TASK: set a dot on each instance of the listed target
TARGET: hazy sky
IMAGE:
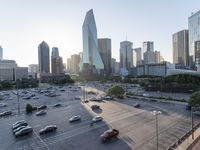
(26, 23)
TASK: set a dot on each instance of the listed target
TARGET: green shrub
(29, 108)
(116, 91)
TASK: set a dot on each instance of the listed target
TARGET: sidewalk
(186, 145)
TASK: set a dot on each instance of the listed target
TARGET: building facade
(33, 70)
(91, 57)
(75, 60)
(1, 53)
(126, 54)
(56, 62)
(180, 48)
(43, 58)
(197, 50)
(138, 54)
(157, 57)
(104, 45)
(148, 46)
(149, 57)
(194, 34)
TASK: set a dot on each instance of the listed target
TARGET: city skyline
(22, 32)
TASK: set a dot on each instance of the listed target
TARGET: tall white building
(126, 54)
(1, 53)
(139, 55)
(148, 46)
(91, 56)
(148, 49)
(194, 34)
(134, 58)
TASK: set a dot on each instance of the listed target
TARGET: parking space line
(45, 145)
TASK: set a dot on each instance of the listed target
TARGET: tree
(195, 99)
(116, 91)
(29, 108)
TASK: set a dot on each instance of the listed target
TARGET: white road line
(45, 145)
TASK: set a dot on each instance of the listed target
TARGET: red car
(109, 134)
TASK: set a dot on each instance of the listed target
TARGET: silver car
(24, 131)
(40, 113)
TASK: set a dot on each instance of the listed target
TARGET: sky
(24, 24)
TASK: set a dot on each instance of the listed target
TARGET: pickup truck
(109, 134)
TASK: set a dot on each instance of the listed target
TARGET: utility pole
(18, 97)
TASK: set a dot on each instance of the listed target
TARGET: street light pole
(192, 123)
(18, 98)
(156, 113)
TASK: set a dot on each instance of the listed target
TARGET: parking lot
(77, 135)
(137, 128)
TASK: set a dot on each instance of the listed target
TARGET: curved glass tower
(90, 55)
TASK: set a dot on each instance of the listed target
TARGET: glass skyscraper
(43, 58)
(194, 34)
(90, 56)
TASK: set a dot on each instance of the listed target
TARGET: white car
(75, 118)
(24, 131)
(40, 113)
(97, 119)
(145, 94)
(18, 122)
(3, 105)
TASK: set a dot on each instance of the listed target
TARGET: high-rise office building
(1, 53)
(104, 45)
(75, 60)
(157, 57)
(148, 46)
(197, 50)
(194, 34)
(91, 57)
(69, 66)
(33, 70)
(148, 49)
(139, 55)
(134, 58)
(43, 58)
(149, 57)
(56, 62)
(126, 54)
(180, 48)
(55, 52)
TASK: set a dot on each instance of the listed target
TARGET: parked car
(109, 134)
(3, 105)
(108, 97)
(137, 105)
(93, 107)
(42, 107)
(18, 129)
(197, 113)
(48, 129)
(75, 118)
(40, 113)
(97, 119)
(19, 125)
(188, 107)
(57, 105)
(77, 98)
(24, 131)
(18, 122)
(5, 113)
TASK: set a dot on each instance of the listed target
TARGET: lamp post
(156, 113)
(18, 108)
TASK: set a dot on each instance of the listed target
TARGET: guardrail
(183, 138)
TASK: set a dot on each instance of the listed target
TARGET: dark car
(42, 107)
(188, 107)
(95, 107)
(57, 105)
(48, 129)
(5, 113)
(137, 105)
(109, 134)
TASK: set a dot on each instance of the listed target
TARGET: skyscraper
(91, 57)
(1, 53)
(104, 45)
(43, 58)
(75, 60)
(148, 46)
(157, 57)
(56, 62)
(126, 54)
(138, 54)
(55, 52)
(180, 48)
(197, 50)
(194, 34)
(148, 49)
